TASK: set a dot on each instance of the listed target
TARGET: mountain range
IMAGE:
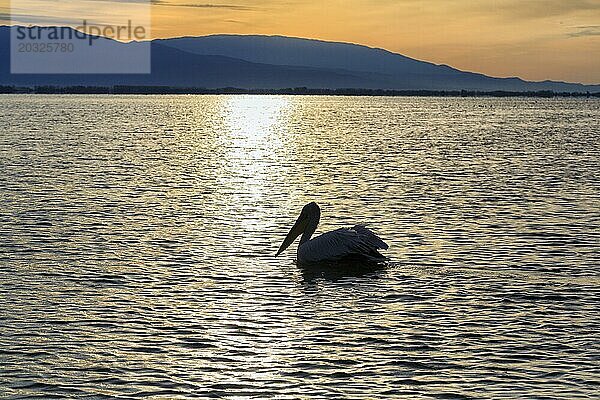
(272, 62)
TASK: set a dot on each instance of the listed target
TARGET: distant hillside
(173, 67)
(393, 71)
(278, 62)
(281, 50)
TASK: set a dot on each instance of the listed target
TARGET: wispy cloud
(545, 8)
(589, 30)
(524, 9)
(235, 21)
(32, 19)
(165, 3)
(235, 7)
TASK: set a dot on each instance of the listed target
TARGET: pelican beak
(296, 231)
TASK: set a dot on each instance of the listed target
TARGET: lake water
(137, 236)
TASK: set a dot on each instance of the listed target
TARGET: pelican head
(306, 223)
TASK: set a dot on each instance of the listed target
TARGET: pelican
(356, 243)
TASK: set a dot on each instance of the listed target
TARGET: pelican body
(356, 243)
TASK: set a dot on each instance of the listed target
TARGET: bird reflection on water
(336, 271)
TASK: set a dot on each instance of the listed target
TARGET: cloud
(545, 8)
(235, 21)
(165, 3)
(516, 10)
(141, 2)
(235, 7)
(589, 30)
(32, 19)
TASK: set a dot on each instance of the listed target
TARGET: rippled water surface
(137, 237)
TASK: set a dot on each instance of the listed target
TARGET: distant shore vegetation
(118, 89)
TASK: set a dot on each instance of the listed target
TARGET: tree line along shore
(119, 89)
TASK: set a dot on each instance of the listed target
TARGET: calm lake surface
(137, 236)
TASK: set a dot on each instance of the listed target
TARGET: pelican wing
(344, 242)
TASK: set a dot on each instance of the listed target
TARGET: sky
(531, 39)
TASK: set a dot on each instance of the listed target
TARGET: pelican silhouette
(356, 243)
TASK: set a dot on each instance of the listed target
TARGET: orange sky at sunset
(532, 39)
(551, 39)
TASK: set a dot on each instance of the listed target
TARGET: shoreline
(168, 90)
